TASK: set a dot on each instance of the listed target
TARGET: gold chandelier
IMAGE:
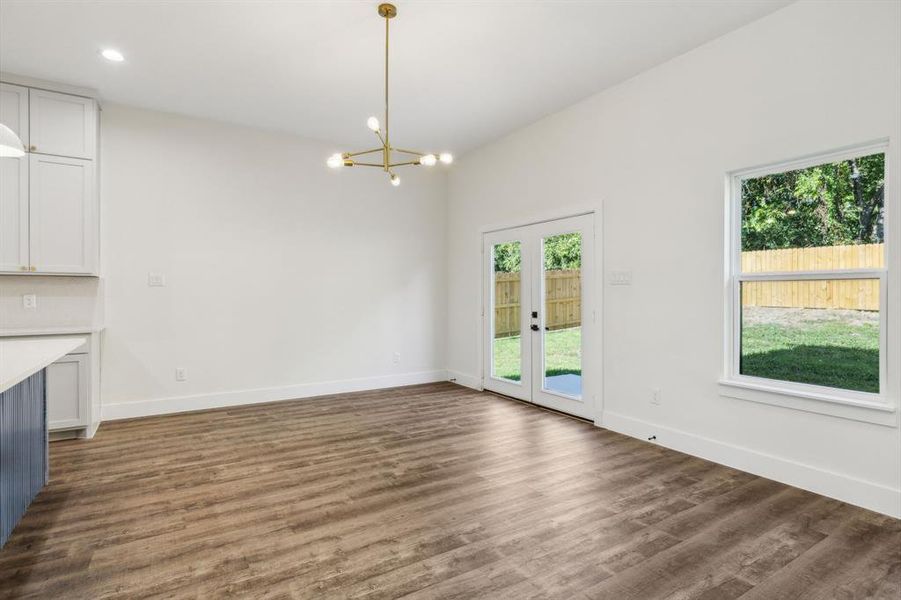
(347, 159)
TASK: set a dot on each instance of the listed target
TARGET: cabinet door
(14, 183)
(67, 392)
(61, 124)
(14, 109)
(14, 214)
(62, 222)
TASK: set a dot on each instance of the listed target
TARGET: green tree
(507, 257)
(830, 204)
(562, 251)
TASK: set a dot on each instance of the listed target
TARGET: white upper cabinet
(49, 213)
(62, 125)
(14, 109)
(62, 216)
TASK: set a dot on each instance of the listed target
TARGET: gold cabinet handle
(23, 268)
(33, 148)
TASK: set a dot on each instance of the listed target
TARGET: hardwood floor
(429, 491)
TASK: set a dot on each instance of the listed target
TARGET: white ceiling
(463, 73)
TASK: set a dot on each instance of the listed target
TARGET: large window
(807, 277)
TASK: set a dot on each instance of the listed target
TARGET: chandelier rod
(387, 136)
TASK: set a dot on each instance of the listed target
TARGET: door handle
(535, 327)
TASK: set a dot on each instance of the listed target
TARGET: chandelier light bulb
(446, 157)
(335, 161)
(372, 123)
(428, 160)
(395, 180)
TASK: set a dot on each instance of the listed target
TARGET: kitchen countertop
(22, 358)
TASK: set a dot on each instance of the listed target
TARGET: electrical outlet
(395, 358)
(29, 302)
(181, 374)
(156, 280)
(655, 396)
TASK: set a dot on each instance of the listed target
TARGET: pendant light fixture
(10, 144)
(348, 159)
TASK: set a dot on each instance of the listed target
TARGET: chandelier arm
(349, 154)
(401, 164)
(362, 164)
(402, 151)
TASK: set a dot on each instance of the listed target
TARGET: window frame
(865, 406)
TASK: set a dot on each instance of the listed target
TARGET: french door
(539, 314)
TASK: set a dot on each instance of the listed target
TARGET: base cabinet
(23, 450)
(72, 386)
(67, 392)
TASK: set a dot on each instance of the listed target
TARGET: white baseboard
(859, 492)
(465, 380)
(163, 406)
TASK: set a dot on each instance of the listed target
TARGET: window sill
(869, 408)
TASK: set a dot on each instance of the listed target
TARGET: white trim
(877, 146)
(50, 86)
(859, 492)
(50, 331)
(868, 408)
(465, 379)
(543, 217)
(820, 399)
(163, 406)
(813, 275)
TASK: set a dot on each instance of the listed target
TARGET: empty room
(526, 299)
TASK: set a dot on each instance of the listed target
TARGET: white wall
(652, 154)
(280, 274)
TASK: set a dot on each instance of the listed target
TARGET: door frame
(592, 316)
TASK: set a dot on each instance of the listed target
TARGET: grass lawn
(564, 354)
(821, 347)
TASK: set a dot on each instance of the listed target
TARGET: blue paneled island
(24, 463)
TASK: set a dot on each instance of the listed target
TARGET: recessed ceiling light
(113, 55)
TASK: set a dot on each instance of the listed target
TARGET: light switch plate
(620, 277)
(181, 374)
(29, 301)
(156, 280)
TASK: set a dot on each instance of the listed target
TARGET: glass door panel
(507, 301)
(562, 328)
(506, 354)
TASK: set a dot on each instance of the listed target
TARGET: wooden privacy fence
(853, 294)
(563, 303)
(859, 256)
